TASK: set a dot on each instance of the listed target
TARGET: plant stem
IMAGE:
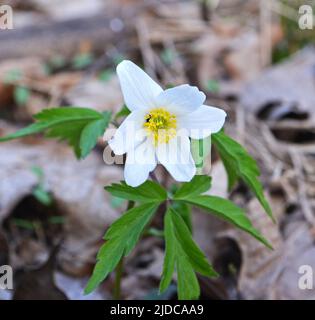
(120, 267)
(130, 205)
(118, 274)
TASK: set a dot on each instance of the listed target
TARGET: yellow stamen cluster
(161, 125)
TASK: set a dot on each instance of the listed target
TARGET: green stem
(118, 275)
(120, 267)
(130, 205)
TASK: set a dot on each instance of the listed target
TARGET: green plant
(81, 128)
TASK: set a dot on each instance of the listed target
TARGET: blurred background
(251, 58)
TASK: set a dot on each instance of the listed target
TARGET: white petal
(139, 163)
(176, 157)
(129, 133)
(181, 99)
(202, 122)
(138, 89)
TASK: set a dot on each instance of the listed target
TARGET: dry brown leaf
(275, 94)
(97, 95)
(77, 187)
(259, 264)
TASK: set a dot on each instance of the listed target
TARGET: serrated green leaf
(80, 127)
(199, 184)
(131, 224)
(228, 211)
(69, 133)
(239, 163)
(187, 282)
(170, 252)
(181, 251)
(200, 150)
(196, 257)
(107, 259)
(149, 191)
(184, 210)
(121, 237)
(91, 132)
(231, 173)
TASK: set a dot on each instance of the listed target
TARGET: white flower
(159, 125)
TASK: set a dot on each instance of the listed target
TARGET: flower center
(161, 125)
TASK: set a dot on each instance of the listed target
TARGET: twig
(145, 47)
(265, 32)
(305, 205)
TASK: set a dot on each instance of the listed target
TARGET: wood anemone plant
(159, 118)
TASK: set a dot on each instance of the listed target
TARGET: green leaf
(91, 132)
(155, 232)
(213, 86)
(200, 149)
(24, 223)
(168, 56)
(39, 191)
(181, 251)
(198, 184)
(107, 258)
(106, 75)
(231, 172)
(184, 210)
(239, 164)
(148, 192)
(38, 171)
(196, 257)
(80, 127)
(82, 60)
(121, 238)
(123, 112)
(21, 95)
(187, 282)
(170, 252)
(228, 211)
(117, 202)
(57, 220)
(42, 195)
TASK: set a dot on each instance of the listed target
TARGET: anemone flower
(160, 124)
